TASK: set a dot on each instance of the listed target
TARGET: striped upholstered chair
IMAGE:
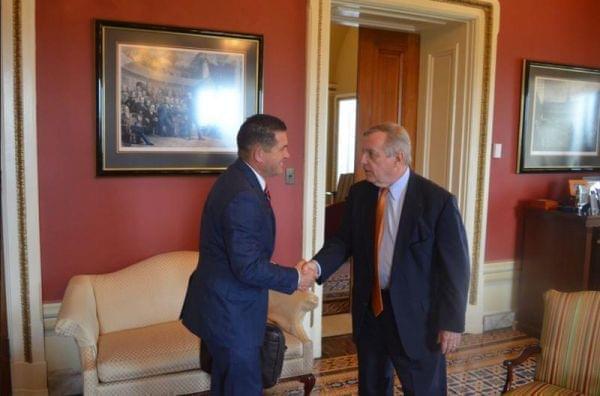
(569, 351)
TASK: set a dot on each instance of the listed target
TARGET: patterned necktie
(267, 194)
(376, 299)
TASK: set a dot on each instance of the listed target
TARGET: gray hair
(397, 140)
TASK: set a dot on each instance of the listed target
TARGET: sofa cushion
(541, 388)
(159, 349)
(147, 351)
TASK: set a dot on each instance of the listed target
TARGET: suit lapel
(251, 177)
(411, 211)
(370, 203)
(249, 174)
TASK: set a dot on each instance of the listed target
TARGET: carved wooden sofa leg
(309, 382)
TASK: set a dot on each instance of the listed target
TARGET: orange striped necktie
(376, 299)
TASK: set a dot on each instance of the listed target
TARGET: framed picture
(560, 118)
(171, 100)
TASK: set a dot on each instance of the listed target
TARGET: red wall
(92, 225)
(558, 31)
(95, 225)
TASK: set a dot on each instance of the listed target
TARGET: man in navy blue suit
(411, 269)
(227, 296)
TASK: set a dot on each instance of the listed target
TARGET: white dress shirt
(261, 180)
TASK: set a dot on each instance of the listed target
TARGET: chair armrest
(77, 316)
(512, 363)
(288, 311)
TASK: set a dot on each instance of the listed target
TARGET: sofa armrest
(77, 316)
(288, 311)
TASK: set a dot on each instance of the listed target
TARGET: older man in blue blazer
(411, 269)
(227, 296)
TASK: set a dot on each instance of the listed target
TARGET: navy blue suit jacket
(227, 297)
(430, 270)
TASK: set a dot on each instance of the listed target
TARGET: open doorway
(374, 78)
(466, 71)
(342, 116)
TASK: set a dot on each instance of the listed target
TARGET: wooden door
(387, 86)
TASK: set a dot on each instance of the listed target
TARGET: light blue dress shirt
(393, 211)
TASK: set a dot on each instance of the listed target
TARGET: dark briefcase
(271, 356)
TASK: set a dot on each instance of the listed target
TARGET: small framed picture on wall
(560, 118)
(170, 99)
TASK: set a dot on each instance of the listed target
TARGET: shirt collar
(399, 186)
(261, 180)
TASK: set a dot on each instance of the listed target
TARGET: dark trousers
(235, 371)
(380, 353)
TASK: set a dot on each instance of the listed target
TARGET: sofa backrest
(143, 294)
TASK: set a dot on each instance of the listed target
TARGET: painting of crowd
(153, 110)
(149, 111)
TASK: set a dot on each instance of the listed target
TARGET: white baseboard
(500, 282)
(62, 353)
(62, 356)
(28, 378)
(50, 313)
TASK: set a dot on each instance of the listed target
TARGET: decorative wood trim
(318, 114)
(20, 176)
(483, 157)
(317, 68)
(20, 201)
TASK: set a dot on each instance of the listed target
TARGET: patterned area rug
(336, 292)
(474, 369)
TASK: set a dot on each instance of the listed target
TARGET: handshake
(308, 273)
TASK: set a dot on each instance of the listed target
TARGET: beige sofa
(132, 343)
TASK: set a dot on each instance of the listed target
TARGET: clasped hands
(308, 274)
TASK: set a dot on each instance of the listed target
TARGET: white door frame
(483, 16)
(20, 213)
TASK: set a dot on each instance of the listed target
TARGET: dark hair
(258, 129)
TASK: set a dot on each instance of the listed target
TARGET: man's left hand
(448, 341)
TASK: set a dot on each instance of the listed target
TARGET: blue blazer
(227, 297)
(429, 278)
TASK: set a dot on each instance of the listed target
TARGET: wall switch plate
(290, 176)
(497, 150)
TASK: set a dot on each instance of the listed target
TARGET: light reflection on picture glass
(566, 117)
(178, 99)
